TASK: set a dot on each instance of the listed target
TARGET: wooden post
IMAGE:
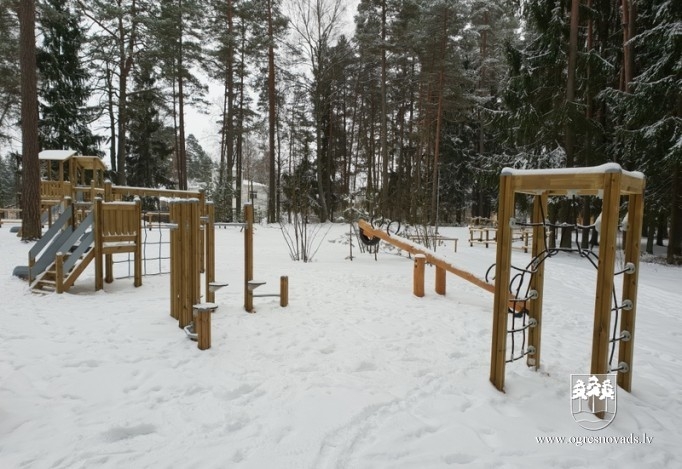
(418, 277)
(138, 241)
(605, 271)
(502, 277)
(198, 250)
(209, 232)
(186, 255)
(98, 228)
(283, 291)
(190, 257)
(175, 265)
(537, 281)
(627, 322)
(248, 256)
(440, 280)
(59, 272)
(107, 222)
(108, 191)
(202, 325)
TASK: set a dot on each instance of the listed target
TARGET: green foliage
(9, 70)
(64, 83)
(149, 141)
(9, 171)
(200, 166)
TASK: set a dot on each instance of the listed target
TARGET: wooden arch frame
(609, 181)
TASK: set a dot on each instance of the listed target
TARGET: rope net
(155, 248)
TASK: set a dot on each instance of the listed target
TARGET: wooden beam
(627, 322)
(605, 271)
(431, 257)
(537, 280)
(502, 278)
(248, 256)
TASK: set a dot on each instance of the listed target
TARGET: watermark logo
(593, 400)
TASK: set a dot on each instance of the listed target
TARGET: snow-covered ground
(355, 373)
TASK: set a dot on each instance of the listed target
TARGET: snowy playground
(355, 373)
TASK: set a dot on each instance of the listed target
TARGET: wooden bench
(10, 214)
(159, 217)
(481, 231)
(438, 238)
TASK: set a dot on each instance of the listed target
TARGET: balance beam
(431, 257)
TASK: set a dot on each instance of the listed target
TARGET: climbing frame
(610, 182)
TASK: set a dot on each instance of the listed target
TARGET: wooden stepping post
(202, 324)
(418, 278)
(283, 291)
(440, 280)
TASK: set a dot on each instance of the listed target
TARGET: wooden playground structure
(249, 283)
(88, 219)
(484, 231)
(193, 252)
(610, 182)
(423, 256)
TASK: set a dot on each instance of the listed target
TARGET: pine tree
(316, 26)
(149, 142)
(177, 33)
(114, 45)
(648, 136)
(64, 89)
(199, 165)
(30, 188)
(8, 185)
(10, 94)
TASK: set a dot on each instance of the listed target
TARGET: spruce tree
(199, 164)
(64, 83)
(649, 132)
(149, 140)
(10, 94)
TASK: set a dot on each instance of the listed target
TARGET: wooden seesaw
(421, 257)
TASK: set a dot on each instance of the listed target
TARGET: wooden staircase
(61, 255)
(52, 280)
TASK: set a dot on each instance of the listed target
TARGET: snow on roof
(601, 169)
(57, 155)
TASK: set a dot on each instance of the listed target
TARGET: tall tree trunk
(439, 118)
(182, 150)
(239, 160)
(628, 24)
(112, 121)
(30, 191)
(589, 111)
(675, 237)
(566, 212)
(272, 189)
(383, 116)
(125, 65)
(570, 80)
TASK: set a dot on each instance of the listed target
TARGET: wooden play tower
(610, 182)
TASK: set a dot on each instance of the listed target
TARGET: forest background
(409, 115)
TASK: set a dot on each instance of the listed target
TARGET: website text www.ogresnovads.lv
(631, 439)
